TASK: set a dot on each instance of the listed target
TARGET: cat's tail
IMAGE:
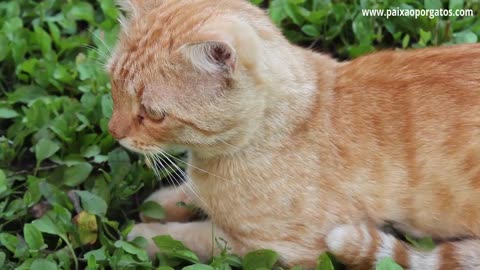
(362, 247)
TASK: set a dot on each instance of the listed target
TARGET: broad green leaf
(9, 241)
(260, 259)
(46, 225)
(53, 194)
(466, 36)
(76, 174)
(456, 4)
(174, 248)
(3, 182)
(433, 4)
(43, 264)
(310, 30)
(107, 106)
(44, 149)
(6, 113)
(92, 203)
(119, 163)
(324, 263)
(33, 237)
(98, 254)
(129, 248)
(43, 40)
(2, 259)
(426, 243)
(198, 267)
(91, 151)
(153, 210)
(82, 11)
(388, 264)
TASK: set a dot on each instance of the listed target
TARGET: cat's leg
(198, 236)
(176, 201)
(362, 247)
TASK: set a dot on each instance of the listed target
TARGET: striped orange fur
(293, 151)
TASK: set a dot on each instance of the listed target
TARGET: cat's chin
(130, 145)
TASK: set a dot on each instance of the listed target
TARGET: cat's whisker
(102, 57)
(174, 181)
(187, 180)
(102, 41)
(199, 169)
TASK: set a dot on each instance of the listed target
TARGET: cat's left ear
(214, 57)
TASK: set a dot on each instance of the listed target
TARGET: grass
(68, 193)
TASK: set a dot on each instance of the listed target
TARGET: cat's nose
(116, 129)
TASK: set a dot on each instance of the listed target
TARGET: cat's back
(428, 86)
(450, 66)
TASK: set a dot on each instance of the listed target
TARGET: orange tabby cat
(293, 151)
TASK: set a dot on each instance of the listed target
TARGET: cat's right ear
(137, 7)
(213, 57)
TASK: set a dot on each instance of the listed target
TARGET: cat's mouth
(138, 146)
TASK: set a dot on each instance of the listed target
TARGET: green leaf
(406, 41)
(92, 203)
(433, 4)
(456, 4)
(324, 262)
(174, 248)
(131, 249)
(77, 174)
(98, 254)
(44, 149)
(310, 30)
(466, 36)
(425, 243)
(6, 113)
(46, 225)
(107, 106)
(425, 37)
(43, 265)
(82, 11)
(153, 210)
(53, 194)
(91, 151)
(198, 266)
(119, 163)
(388, 264)
(2, 259)
(3, 182)
(26, 94)
(260, 259)
(164, 268)
(9, 241)
(33, 237)
(43, 39)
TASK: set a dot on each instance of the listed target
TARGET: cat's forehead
(154, 39)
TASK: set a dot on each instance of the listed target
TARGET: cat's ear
(214, 57)
(137, 7)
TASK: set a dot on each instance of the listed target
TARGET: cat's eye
(154, 115)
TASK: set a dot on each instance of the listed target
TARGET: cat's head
(189, 73)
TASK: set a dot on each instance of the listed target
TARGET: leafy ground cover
(68, 194)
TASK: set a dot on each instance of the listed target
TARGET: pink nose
(117, 130)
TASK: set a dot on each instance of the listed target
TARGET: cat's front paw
(171, 200)
(197, 236)
(148, 231)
